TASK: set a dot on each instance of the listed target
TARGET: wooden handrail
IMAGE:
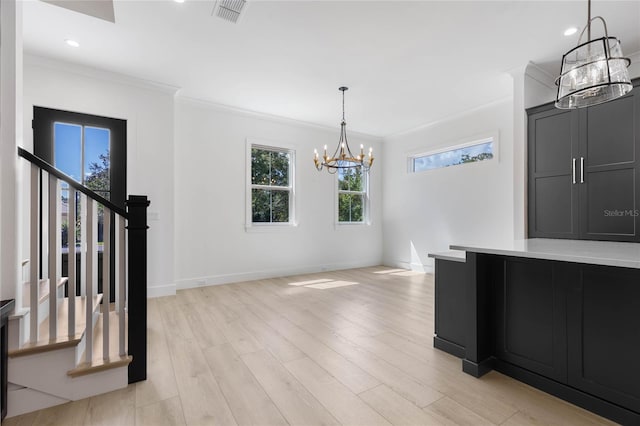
(71, 182)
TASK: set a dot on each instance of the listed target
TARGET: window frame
(366, 219)
(473, 140)
(250, 225)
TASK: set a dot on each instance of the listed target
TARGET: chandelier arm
(604, 24)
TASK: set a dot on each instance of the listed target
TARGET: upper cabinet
(584, 171)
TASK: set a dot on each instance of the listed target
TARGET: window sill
(270, 227)
(351, 224)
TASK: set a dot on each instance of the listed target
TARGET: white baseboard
(271, 273)
(161, 290)
(418, 267)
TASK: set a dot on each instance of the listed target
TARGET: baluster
(121, 277)
(34, 252)
(92, 275)
(106, 284)
(83, 244)
(44, 227)
(71, 261)
(54, 254)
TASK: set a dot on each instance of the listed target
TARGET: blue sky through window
(468, 154)
(68, 148)
(96, 142)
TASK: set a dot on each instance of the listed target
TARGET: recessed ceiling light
(570, 31)
(72, 43)
(179, 1)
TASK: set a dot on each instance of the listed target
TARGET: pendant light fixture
(593, 72)
(342, 158)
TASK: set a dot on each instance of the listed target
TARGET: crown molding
(534, 71)
(451, 117)
(268, 117)
(92, 72)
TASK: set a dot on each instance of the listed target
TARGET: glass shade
(593, 73)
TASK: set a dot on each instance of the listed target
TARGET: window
(82, 152)
(352, 195)
(271, 185)
(479, 150)
(90, 149)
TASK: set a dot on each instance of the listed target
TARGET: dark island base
(568, 329)
(596, 405)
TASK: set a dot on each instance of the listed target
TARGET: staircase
(69, 337)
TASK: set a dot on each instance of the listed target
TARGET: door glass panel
(96, 160)
(68, 149)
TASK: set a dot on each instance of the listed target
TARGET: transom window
(271, 185)
(352, 195)
(479, 150)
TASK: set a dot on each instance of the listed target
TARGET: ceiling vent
(229, 10)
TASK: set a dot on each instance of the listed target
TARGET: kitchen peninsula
(560, 315)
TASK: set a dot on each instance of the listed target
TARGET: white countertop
(451, 255)
(607, 253)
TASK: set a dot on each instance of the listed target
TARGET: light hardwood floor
(350, 347)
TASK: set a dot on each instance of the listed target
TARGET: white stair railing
(92, 275)
(54, 254)
(34, 252)
(106, 281)
(45, 226)
(71, 261)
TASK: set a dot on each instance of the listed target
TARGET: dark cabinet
(576, 324)
(584, 171)
(450, 316)
(603, 324)
(531, 314)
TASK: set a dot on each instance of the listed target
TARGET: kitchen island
(560, 315)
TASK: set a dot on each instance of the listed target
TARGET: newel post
(137, 300)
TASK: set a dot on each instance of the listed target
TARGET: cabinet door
(604, 334)
(552, 193)
(451, 296)
(531, 317)
(609, 184)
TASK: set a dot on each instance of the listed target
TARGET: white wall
(10, 137)
(149, 114)
(470, 203)
(212, 244)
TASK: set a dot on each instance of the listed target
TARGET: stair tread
(98, 363)
(63, 339)
(43, 290)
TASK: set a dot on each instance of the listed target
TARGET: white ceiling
(406, 63)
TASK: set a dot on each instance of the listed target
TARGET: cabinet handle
(581, 169)
(573, 169)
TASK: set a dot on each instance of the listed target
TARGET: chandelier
(342, 158)
(593, 72)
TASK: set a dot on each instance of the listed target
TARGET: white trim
(270, 273)
(293, 199)
(477, 139)
(635, 57)
(161, 290)
(417, 267)
(534, 71)
(269, 117)
(86, 71)
(451, 117)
